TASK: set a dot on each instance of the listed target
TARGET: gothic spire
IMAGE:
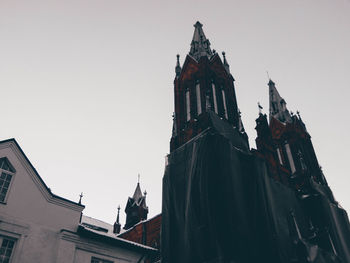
(278, 108)
(178, 67)
(240, 123)
(117, 225)
(200, 45)
(118, 214)
(226, 65)
(138, 193)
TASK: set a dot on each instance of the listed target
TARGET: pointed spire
(240, 123)
(278, 108)
(200, 45)
(260, 108)
(117, 225)
(178, 67)
(174, 133)
(118, 214)
(138, 193)
(226, 65)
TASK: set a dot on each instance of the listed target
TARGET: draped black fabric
(220, 205)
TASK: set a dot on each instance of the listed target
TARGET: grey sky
(87, 86)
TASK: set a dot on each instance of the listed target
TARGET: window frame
(9, 238)
(100, 260)
(12, 174)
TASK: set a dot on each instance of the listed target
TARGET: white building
(37, 226)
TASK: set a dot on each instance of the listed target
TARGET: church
(222, 201)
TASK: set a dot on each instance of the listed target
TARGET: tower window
(6, 249)
(188, 106)
(279, 156)
(6, 174)
(199, 102)
(214, 98)
(224, 103)
(290, 158)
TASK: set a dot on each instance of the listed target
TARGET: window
(7, 245)
(224, 102)
(100, 260)
(6, 174)
(279, 156)
(188, 106)
(290, 158)
(199, 103)
(214, 98)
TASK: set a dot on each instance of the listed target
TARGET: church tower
(204, 83)
(136, 209)
(286, 145)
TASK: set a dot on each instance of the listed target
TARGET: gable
(28, 198)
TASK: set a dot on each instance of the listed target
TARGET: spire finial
(80, 197)
(116, 226)
(177, 67)
(138, 178)
(226, 65)
(118, 214)
(260, 108)
(268, 76)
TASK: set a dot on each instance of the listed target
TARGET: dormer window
(6, 174)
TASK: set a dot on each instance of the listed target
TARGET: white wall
(44, 226)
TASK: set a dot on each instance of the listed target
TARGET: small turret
(226, 65)
(117, 225)
(178, 67)
(136, 209)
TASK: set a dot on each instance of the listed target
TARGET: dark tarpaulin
(220, 205)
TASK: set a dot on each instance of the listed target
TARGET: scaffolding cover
(220, 205)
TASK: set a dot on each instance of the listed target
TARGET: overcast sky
(87, 85)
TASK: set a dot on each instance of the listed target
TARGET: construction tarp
(220, 205)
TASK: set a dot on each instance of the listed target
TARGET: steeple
(116, 226)
(278, 106)
(200, 45)
(205, 87)
(136, 209)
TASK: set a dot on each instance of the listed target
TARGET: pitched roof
(47, 190)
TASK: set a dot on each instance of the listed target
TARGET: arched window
(199, 102)
(290, 158)
(188, 105)
(214, 98)
(279, 156)
(224, 102)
